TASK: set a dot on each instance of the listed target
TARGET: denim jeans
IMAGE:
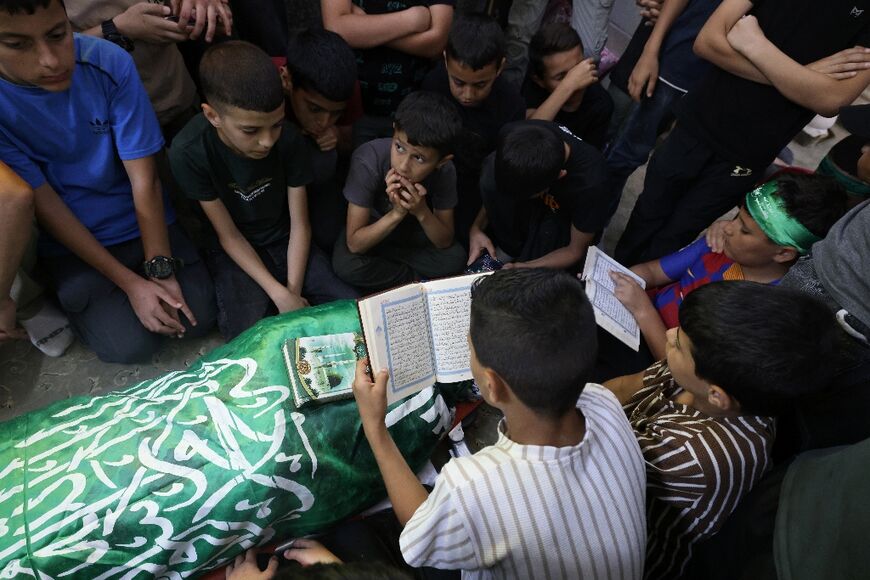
(242, 302)
(631, 147)
(101, 314)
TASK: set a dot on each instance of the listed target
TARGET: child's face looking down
(250, 134)
(315, 112)
(746, 243)
(413, 162)
(468, 86)
(556, 66)
(37, 49)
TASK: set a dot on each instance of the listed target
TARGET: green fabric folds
(180, 474)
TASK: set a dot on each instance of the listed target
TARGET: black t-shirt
(589, 121)
(480, 125)
(386, 76)
(532, 228)
(254, 191)
(749, 123)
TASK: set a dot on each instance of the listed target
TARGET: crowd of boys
(387, 147)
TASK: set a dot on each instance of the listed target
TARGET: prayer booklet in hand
(419, 332)
(610, 314)
(322, 368)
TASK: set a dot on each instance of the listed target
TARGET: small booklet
(419, 332)
(610, 314)
(322, 368)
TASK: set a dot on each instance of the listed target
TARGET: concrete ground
(30, 380)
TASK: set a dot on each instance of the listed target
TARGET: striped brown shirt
(525, 511)
(698, 468)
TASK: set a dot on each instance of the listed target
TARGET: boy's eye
(314, 109)
(60, 35)
(399, 148)
(479, 85)
(559, 77)
(458, 83)
(249, 130)
(419, 159)
(15, 45)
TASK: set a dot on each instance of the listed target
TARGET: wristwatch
(110, 33)
(162, 267)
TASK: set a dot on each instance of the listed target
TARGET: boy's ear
(538, 81)
(212, 115)
(562, 173)
(444, 160)
(286, 79)
(497, 389)
(785, 254)
(721, 400)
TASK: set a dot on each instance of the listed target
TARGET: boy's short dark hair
(13, 7)
(241, 75)
(765, 346)
(321, 61)
(536, 329)
(429, 120)
(551, 38)
(528, 159)
(476, 40)
(816, 201)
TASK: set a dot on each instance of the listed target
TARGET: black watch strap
(110, 33)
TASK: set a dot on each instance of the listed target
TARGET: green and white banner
(179, 474)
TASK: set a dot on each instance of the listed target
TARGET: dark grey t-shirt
(365, 185)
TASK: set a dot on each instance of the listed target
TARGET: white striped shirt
(698, 468)
(524, 511)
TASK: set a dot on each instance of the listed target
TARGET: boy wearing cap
(777, 223)
(544, 195)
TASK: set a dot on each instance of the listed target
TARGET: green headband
(854, 186)
(768, 211)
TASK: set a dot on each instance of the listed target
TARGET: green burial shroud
(179, 474)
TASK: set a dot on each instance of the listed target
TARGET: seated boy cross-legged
(743, 353)
(561, 492)
(401, 193)
(776, 224)
(247, 167)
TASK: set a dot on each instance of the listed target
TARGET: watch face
(160, 267)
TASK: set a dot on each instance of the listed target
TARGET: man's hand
(245, 567)
(148, 299)
(328, 140)
(844, 64)
(745, 34)
(371, 397)
(288, 301)
(206, 13)
(716, 236)
(308, 552)
(581, 75)
(650, 10)
(8, 327)
(147, 22)
(628, 291)
(644, 77)
(477, 243)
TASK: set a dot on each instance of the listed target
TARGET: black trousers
(687, 187)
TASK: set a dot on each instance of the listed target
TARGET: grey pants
(589, 18)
